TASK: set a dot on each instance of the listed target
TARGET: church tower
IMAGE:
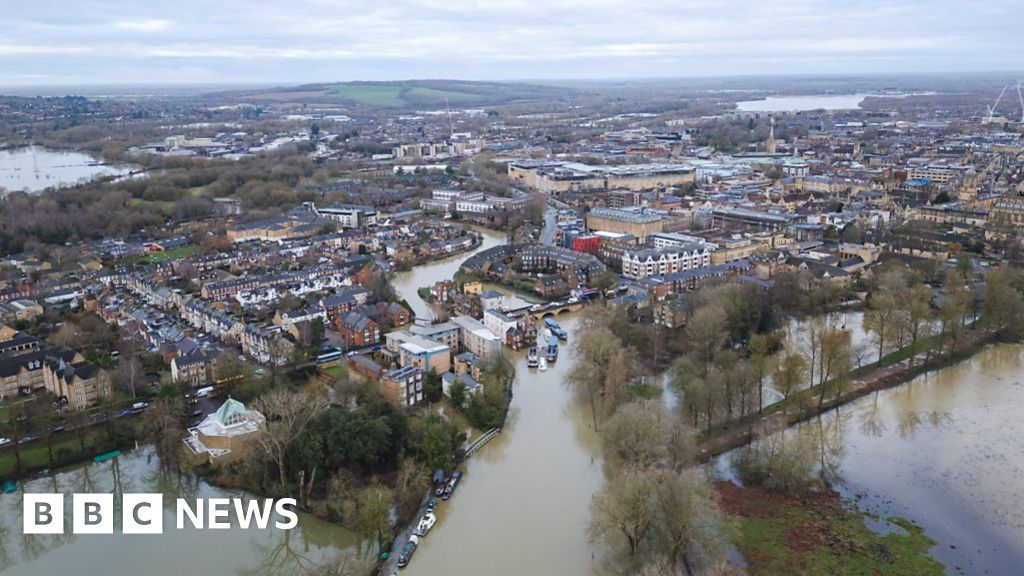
(769, 144)
(969, 185)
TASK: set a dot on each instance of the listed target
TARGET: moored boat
(552, 353)
(425, 524)
(452, 484)
(531, 357)
(556, 328)
(407, 551)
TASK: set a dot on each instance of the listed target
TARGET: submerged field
(817, 534)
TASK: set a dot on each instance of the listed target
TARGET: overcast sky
(256, 41)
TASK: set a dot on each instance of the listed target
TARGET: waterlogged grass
(819, 535)
(35, 456)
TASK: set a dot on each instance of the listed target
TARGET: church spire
(769, 144)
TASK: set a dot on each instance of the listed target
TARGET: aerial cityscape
(513, 291)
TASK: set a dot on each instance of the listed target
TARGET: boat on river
(531, 357)
(407, 551)
(552, 353)
(425, 524)
(452, 484)
(556, 328)
(543, 364)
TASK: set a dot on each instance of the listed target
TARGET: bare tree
(706, 331)
(130, 372)
(687, 520)
(880, 319)
(643, 434)
(834, 357)
(791, 372)
(370, 512)
(287, 414)
(624, 510)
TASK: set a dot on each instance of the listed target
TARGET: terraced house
(637, 264)
(26, 366)
(68, 375)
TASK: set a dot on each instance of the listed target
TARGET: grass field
(392, 95)
(420, 93)
(332, 371)
(387, 95)
(140, 202)
(169, 255)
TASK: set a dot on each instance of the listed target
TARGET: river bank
(804, 405)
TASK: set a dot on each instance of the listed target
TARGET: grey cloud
(117, 41)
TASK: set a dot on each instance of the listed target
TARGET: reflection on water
(523, 506)
(189, 551)
(34, 168)
(943, 450)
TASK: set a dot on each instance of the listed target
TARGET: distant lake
(801, 103)
(34, 169)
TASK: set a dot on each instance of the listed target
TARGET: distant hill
(411, 93)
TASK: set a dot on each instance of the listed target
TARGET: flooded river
(407, 283)
(944, 451)
(235, 551)
(35, 168)
(523, 505)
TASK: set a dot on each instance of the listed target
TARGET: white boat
(426, 523)
(531, 357)
(543, 364)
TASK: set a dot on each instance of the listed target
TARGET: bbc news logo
(144, 513)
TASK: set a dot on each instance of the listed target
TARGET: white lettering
(281, 508)
(250, 510)
(194, 516)
(219, 508)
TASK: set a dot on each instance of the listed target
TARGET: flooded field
(34, 169)
(944, 451)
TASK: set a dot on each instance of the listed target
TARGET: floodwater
(407, 283)
(944, 451)
(802, 103)
(523, 505)
(34, 168)
(796, 334)
(235, 551)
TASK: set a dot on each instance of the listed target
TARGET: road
(547, 236)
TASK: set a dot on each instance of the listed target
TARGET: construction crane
(1020, 97)
(992, 109)
(991, 118)
(451, 123)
